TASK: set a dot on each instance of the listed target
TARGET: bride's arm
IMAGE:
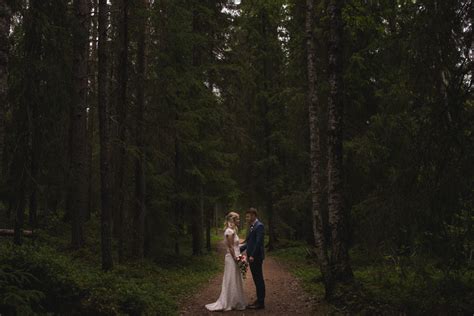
(230, 245)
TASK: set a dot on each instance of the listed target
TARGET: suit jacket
(254, 242)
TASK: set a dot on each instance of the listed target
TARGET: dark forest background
(128, 128)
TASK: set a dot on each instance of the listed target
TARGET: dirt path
(284, 295)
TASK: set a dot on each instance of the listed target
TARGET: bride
(232, 293)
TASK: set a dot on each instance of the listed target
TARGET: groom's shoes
(256, 305)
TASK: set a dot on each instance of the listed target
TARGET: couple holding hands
(252, 249)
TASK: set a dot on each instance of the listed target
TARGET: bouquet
(243, 265)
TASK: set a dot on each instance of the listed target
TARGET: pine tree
(338, 219)
(29, 102)
(140, 180)
(77, 193)
(92, 109)
(314, 110)
(121, 143)
(104, 131)
(5, 18)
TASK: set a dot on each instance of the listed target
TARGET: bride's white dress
(232, 293)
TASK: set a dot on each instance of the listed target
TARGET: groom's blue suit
(255, 248)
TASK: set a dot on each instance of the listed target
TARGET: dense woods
(129, 128)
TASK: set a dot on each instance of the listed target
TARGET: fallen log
(11, 232)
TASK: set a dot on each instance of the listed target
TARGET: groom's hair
(252, 211)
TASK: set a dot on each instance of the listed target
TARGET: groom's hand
(250, 259)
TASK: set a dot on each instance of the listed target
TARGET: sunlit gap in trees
(231, 8)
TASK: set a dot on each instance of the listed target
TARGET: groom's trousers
(257, 275)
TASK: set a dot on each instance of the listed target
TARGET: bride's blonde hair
(230, 220)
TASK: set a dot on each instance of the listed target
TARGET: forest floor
(284, 294)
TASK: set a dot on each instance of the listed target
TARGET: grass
(71, 282)
(381, 287)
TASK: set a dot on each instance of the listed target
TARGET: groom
(255, 253)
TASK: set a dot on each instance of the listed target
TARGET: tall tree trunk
(28, 102)
(35, 138)
(5, 20)
(90, 168)
(140, 212)
(92, 113)
(337, 216)
(77, 194)
(209, 215)
(113, 56)
(104, 131)
(19, 172)
(20, 203)
(216, 217)
(33, 87)
(314, 110)
(122, 70)
(196, 226)
(177, 200)
(201, 213)
(177, 185)
(267, 129)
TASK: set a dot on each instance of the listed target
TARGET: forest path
(284, 295)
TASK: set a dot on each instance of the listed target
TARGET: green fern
(15, 292)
